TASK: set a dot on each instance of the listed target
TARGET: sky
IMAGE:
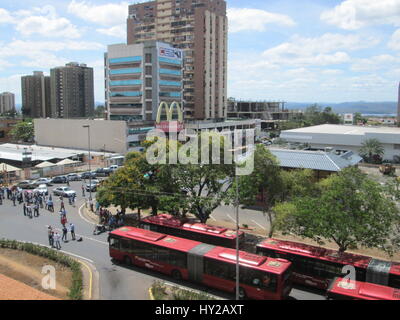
(289, 50)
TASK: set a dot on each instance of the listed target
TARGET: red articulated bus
(344, 289)
(316, 267)
(213, 266)
(190, 229)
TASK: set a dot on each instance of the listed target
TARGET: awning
(45, 164)
(7, 168)
(67, 161)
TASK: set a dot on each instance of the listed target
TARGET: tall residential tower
(35, 90)
(72, 91)
(7, 102)
(199, 28)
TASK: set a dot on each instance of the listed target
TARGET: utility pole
(90, 168)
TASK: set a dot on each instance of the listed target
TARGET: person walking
(63, 220)
(29, 211)
(57, 240)
(13, 198)
(72, 230)
(65, 233)
(50, 234)
(83, 191)
(91, 204)
(62, 203)
(36, 210)
(24, 209)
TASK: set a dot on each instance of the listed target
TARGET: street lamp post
(90, 168)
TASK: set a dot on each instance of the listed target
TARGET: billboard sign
(170, 125)
(170, 53)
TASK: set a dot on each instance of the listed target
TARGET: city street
(116, 281)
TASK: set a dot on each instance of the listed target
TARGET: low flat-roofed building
(13, 154)
(344, 137)
(322, 163)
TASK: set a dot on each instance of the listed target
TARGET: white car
(46, 181)
(41, 189)
(114, 167)
(64, 191)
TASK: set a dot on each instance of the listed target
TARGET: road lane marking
(80, 214)
(66, 252)
(259, 225)
(212, 217)
(231, 218)
(84, 237)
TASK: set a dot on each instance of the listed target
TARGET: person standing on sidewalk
(65, 233)
(50, 234)
(57, 240)
(72, 229)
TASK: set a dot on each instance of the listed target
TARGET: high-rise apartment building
(7, 102)
(140, 76)
(72, 91)
(35, 90)
(199, 27)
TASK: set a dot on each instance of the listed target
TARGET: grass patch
(75, 291)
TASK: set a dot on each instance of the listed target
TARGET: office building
(72, 91)
(7, 102)
(199, 28)
(35, 91)
(140, 76)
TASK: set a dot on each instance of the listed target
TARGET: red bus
(190, 229)
(316, 267)
(213, 266)
(343, 289)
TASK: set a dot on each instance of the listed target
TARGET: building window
(397, 147)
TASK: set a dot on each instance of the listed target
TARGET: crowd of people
(32, 202)
(108, 220)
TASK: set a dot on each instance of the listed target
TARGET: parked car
(92, 186)
(74, 177)
(26, 184)
(103, 172)
(114, 167)
(59, 179)
(64, 191)
(41, 189)
(86, 175)
(46, 181)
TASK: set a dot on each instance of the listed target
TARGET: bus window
(125, 245)
(114, 243)
(258, 279)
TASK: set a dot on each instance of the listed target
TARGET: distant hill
(384, 107)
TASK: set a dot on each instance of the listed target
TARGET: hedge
(75, 291)
(161, 291)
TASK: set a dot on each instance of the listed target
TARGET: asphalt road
(117, 282)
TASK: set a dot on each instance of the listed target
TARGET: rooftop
(345, 129)
(14, 152)
(315, 160)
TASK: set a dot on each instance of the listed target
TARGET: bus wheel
(242, 293)
(127, 261)
(176, 274)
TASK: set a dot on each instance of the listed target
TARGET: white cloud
(355, 14)
(375, 63)
(320, 51)
(107, 14)
(118, 31)
(43, 21)
(245, 19)
(5, 16)
(394, 42)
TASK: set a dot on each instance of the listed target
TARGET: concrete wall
(69, 133)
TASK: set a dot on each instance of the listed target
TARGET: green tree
(372, 151)
(23, 131)
(359, 118)
(349, 209)
(265, 181)
(99, 111)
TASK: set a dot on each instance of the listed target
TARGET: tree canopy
(349, 209)
(372, 151)
(23, 131)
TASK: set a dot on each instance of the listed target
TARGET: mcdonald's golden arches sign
(170, 124)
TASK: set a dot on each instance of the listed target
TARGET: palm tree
(371, 149)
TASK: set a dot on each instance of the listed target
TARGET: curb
(151, 294)
(93, 287)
